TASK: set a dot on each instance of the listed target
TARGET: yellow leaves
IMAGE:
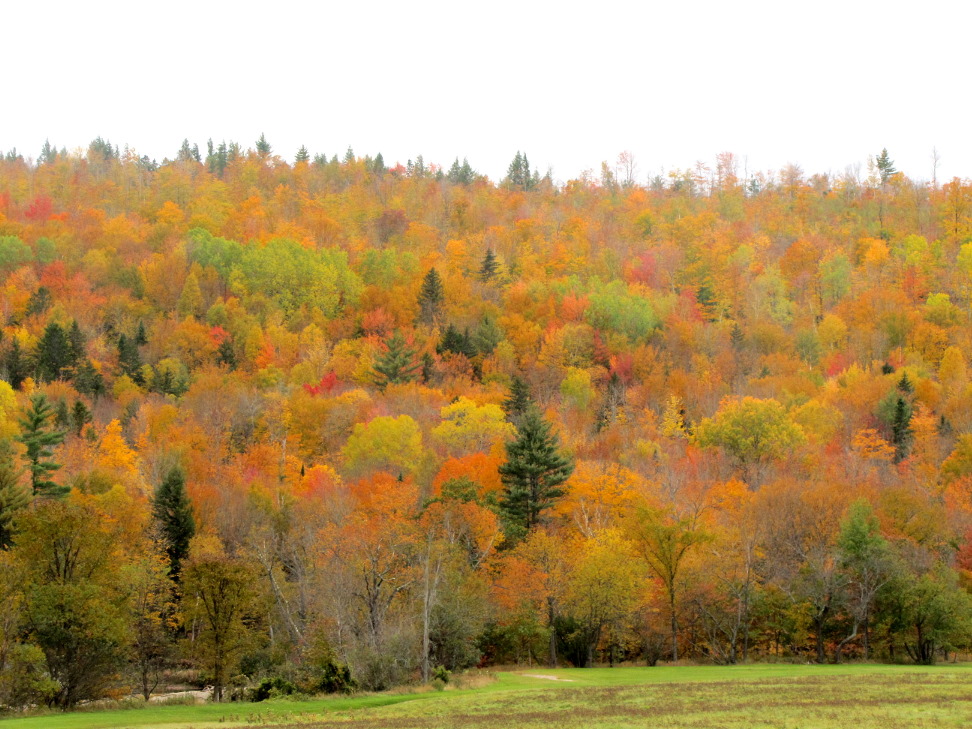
(8, 411)
(673, 420)
(832, 332)
(598, 494)
(871, 446)
(467, 427)
(577, 389)
(819, 421)
(170, 215)
(384, 443)
(873, 252)
(116, 458)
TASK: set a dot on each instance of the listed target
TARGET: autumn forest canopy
(334, 423)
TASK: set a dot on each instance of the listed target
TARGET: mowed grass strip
(882, 700)
(762, 695)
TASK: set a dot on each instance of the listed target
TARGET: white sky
(821, 84)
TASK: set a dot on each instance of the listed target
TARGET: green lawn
(770, 696)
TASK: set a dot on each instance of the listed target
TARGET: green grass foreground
(714, 697)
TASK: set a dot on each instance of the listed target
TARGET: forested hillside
(341, 423)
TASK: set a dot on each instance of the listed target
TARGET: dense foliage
(334, 423)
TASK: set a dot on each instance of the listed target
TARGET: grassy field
(770, 696)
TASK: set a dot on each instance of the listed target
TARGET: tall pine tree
(532, 474)
(40, 436)
(430, 298)
(53, 353)
(396, 364)
(489, 267)
(519, 400)
(172, 512)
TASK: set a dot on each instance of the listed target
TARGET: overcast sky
(821, 84)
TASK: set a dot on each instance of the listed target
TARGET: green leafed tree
(532, 475)
(218, 598)
(753, 432)
(73, 603)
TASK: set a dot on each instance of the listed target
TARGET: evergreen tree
(129, 360)
(53, 353)
(453, 341)
(141, 338)
(349, 156)
(13, 496)
(532, 474)
(62, 418)
(430, 298)
(39, 437)
(519, 400)
(48, 154)
(187, 153)
(488, 335)
(76, 343)
(226, 354)
(397, 364)
(461, 174)
(901, 433)
(216, 159)
(39, 301)
(263, 147)
(88, 381)
(489, 267)
(454, 172)
(518, 174)
(16, 365)
(428, 368)
(172, 512)
(378, 166)
(80, 416)
(904, 384)
(302, 155)
(320, 160)
(885, 166)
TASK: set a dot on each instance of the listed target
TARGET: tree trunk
(551, 615)
(671, 605)
(821, 652)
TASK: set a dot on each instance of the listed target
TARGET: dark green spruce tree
(129, 360)
(39, 436)
(519, 400)
(16, 365)
(53, 353)
(489, 267)
(901, 433)
(396, 364)
(534, 470)
(172, 512)
(430, 298)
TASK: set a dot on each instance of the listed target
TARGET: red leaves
(39, 209)
(325, 386)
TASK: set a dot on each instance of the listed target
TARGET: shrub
(271, 688)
